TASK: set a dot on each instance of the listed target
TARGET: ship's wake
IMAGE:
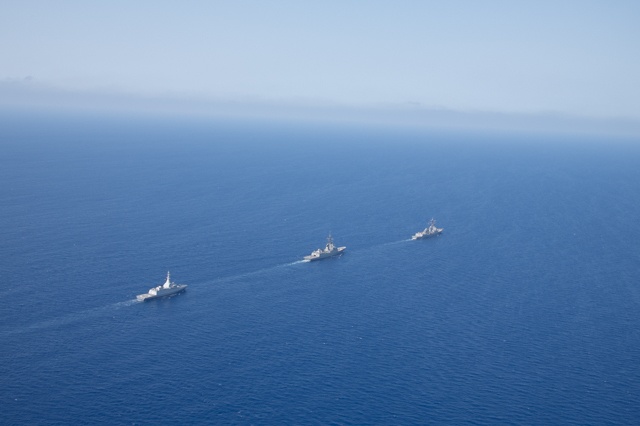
(71, 317)
(398, 242)
(297, 262)
(103, 310)
(258, 271)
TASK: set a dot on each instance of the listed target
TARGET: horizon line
(28, 94)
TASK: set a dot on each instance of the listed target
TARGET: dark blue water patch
(523, 311)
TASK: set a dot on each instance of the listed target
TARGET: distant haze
(574, 58)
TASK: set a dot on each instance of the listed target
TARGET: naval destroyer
(166, 289)
(429, 231)
(329, 251)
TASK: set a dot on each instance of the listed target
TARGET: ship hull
(148, 297)
(421, 236)
(338, 252)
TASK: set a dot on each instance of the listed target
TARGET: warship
(329, 251)
(429, 231)
(166, 289)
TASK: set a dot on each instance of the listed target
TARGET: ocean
(526, 310)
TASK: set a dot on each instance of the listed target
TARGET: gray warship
(166, 289)
(429, 231)
(330, 250)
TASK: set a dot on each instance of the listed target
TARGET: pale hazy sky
(575, 57)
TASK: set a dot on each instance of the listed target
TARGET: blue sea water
(526, 310)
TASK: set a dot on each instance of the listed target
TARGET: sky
(577, 58)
